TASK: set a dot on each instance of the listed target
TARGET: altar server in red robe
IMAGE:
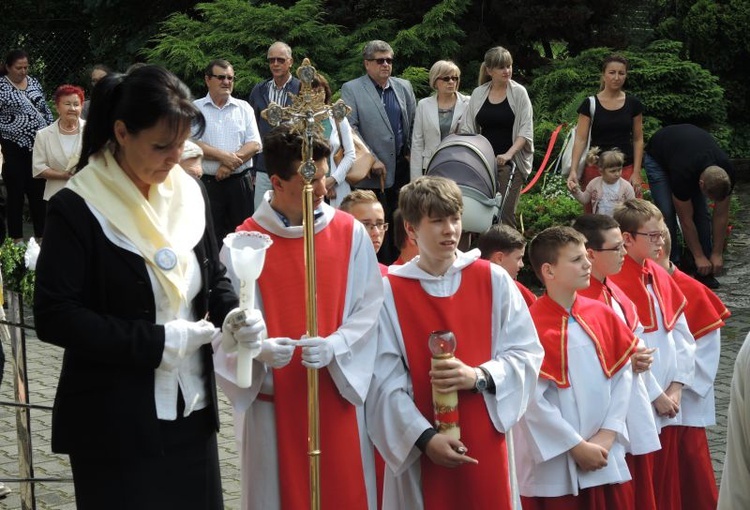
(570, 444)
(494, 370)
(661, 305)
(606, 252)
(503, 245)
(705, 314)
(271, 415)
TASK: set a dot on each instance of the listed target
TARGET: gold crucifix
(305, 116)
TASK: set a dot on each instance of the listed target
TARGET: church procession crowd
(595, 394)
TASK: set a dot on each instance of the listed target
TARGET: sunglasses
(222, 77)
(276, 60)
(381, 61)
(446, 79)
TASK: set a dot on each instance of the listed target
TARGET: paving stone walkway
(44, 366)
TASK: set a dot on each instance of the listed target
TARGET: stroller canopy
(470, 161)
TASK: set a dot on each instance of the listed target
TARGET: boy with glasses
(605, 250)
(660, 304)
(365, 207)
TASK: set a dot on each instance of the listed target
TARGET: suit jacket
(95, 300)
(369, 119)
(48, 153)
(259, 101)
(426, 135)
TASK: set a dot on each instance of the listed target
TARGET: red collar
(634, 277)
(613, 339)
(608, 291)
(704, 312)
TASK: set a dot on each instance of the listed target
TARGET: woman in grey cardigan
(500, 110)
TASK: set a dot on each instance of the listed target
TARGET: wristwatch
(481, 384)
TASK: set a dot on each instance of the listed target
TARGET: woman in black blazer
(129, 283)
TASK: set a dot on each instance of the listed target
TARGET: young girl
(607, 191)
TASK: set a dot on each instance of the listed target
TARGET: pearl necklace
(71, 131)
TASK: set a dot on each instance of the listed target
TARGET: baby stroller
(470, 161)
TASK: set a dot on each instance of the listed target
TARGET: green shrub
(548, 203)
(16, 277)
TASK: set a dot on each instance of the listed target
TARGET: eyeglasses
(449, 78)
(382, 227)
(619, 247)
(222, 77)
(276, 60)
(381, 61)
(653, 237)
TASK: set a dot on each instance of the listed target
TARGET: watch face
(481, 384)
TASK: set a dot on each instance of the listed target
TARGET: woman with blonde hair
(437, 116)
(617, 122)
(500, 109)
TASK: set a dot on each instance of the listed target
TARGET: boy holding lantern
(493, 370)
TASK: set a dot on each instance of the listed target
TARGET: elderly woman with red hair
(58, 146)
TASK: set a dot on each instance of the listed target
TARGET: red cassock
(282, 288)
(468, 314)
(632, 279)
(705, 313)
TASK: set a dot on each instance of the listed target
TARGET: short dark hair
(11, 58)
(220, 62)
(282, 149)
(140, 100)
(593, 226)
(545, 247)
(502, 238)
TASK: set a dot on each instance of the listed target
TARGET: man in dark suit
(383, 114)
(276, 89)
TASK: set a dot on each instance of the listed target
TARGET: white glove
(276, 352)
(317, 352)
(182, 338)
(248, 332)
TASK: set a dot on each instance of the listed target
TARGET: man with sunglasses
(229, 142)
(383, 114)
(275, 89)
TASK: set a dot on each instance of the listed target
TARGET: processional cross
(305, 116)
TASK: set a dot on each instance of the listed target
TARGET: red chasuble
(528, 296)
(633, 278)
(613, 339)
(282, 287)
(704, 311)
(606, 293)
(468, 313)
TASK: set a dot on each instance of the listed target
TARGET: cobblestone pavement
(44, 365)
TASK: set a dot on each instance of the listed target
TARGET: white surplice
(351, 371)
(643, 435)
(674, 360)
(559, 418)
(393, 420)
